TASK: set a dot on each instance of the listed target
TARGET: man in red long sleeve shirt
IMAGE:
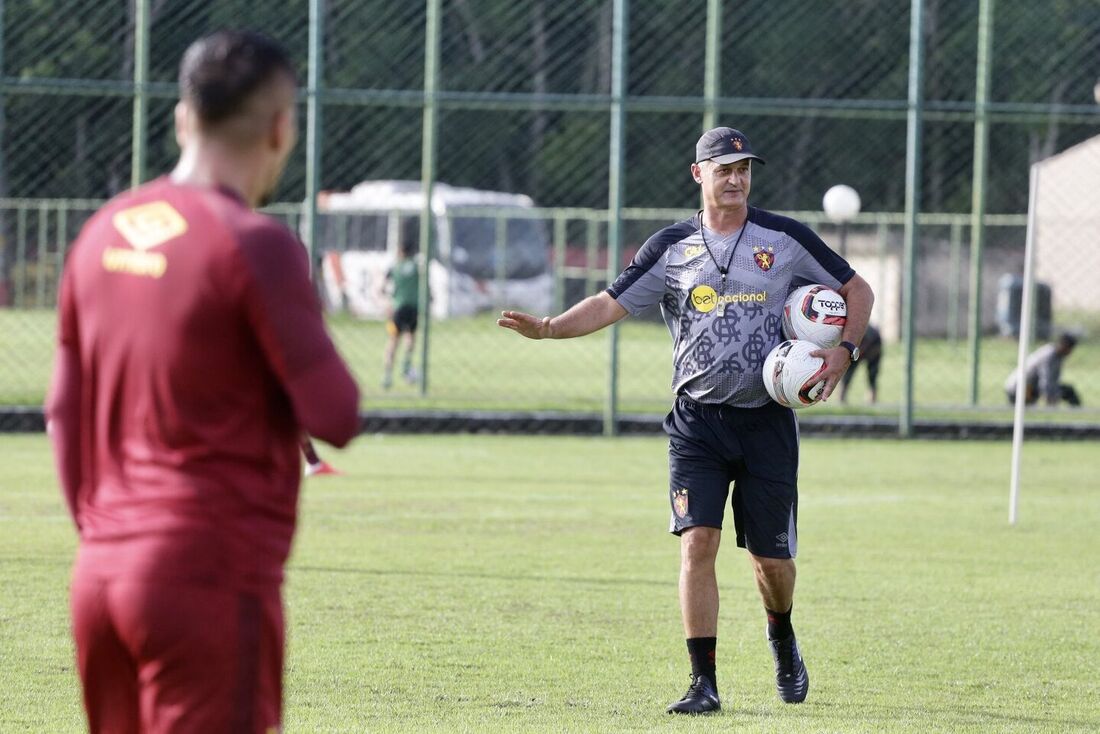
(191, 358)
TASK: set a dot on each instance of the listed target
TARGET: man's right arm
(641, 285)
(591, 314)
(63, 402)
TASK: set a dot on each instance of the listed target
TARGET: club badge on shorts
(680, 502)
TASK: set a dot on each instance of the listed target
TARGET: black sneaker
(701, 698)
(791, 679)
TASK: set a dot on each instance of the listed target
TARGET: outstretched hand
(837, 361)
(525, 324)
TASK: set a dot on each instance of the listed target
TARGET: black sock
(779, 624)
(701, 650)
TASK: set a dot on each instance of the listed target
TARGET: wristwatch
(853, 350)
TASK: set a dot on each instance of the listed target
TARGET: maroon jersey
(192, 354)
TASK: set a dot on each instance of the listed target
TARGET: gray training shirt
(721, 334)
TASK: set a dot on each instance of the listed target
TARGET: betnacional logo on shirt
(144, 227)
(705, 299)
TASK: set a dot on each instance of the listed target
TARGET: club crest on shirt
(143, 227)
(680, 502)
(148, 225)
(764, 256)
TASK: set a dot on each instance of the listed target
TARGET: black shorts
(711, 446)
(404, 320)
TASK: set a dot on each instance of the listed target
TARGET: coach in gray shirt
(721, 279)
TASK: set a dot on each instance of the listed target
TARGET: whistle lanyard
(729, 261)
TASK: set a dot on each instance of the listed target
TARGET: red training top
(191, 356)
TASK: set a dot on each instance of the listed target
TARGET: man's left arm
(63, 424)
(859, 299)
(285, 314)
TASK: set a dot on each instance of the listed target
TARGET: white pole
(1025, 341)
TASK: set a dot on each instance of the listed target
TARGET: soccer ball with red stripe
(816, 314)
(792, 377)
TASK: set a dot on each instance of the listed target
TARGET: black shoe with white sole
(791, 679)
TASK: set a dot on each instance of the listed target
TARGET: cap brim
(734, 157)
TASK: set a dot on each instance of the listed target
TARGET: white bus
(487, 254)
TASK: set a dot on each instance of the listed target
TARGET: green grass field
(471, 583)
(477, 365)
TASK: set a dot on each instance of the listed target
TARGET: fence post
(592, 252)
(500, 252)
(712, 68)
(62, 245)
(953, 283)
(429, 125)
(40, 262)
(314, 80)
(912, 206)
(616, 164)
(981, 173)
(6, 266)
(559, 262)
(21, 257)
(883, 235)
(141, 99)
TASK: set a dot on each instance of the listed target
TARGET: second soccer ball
(792, 377)
(815, 314)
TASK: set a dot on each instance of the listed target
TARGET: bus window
(474, 247)
(410, 233)
(352, 231)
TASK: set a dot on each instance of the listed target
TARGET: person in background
(870, 353)
(1043, 374)
(402, 286)
(315, 465)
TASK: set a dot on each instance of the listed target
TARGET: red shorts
(165, 657)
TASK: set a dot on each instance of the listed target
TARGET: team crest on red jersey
(764, 257)
(680, 502)
(148, 225)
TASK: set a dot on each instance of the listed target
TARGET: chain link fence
(524, 102)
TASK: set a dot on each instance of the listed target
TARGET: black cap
(724, 145)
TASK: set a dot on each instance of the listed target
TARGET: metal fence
(932, 110)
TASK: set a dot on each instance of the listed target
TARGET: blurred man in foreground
(191, 358)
